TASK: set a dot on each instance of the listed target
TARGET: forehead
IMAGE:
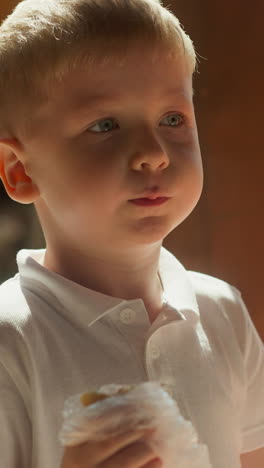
(143, 76)
(139, 72)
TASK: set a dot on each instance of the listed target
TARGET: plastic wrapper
(144, 406)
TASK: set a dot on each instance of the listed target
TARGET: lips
(149, 201)
(150, 195)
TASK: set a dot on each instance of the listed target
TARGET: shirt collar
(91, 305)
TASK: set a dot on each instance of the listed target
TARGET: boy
(104, 302)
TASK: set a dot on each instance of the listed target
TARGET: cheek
(93, 180)
(189, 174)
(90, 185)
(194, 183)
(188, 159)
(196, 174)
(92, 162)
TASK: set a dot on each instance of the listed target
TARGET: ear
(18, 184)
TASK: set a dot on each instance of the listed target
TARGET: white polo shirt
(57, 338)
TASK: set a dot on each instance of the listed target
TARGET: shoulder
(14, 309)
(15, 317)
(15, 359)
(213, 288)
(209, 285)
(221, 306)
(211, 291)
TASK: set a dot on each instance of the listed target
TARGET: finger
(156, 463)
(98, 451)
(135, 455)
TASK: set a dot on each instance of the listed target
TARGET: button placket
(127, 315)
(154, 351)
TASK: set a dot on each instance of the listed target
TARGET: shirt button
(127, 315)
(154, 351)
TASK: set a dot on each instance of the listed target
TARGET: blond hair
(41, 37)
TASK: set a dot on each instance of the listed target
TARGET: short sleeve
(15, 431)
(252, 417)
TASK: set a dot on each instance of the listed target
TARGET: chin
(147, 231)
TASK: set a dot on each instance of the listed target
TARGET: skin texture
(128, 450)
(80, 183)
(81, 169)
(80, 166)
(253, 459)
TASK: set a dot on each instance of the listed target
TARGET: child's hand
(129, 450)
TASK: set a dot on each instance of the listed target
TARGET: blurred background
(223, 237)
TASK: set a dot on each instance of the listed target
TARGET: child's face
(89, 158)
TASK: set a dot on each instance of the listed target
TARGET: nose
(148, 152)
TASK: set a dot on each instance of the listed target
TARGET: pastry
(88, 398)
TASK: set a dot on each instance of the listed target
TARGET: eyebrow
(84, 100)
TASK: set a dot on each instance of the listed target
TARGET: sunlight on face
(105, 136)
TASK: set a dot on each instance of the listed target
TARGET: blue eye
(174, 119)
(105, 125)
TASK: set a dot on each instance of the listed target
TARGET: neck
(124, 276)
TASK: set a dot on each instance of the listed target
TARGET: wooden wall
(223, 236)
